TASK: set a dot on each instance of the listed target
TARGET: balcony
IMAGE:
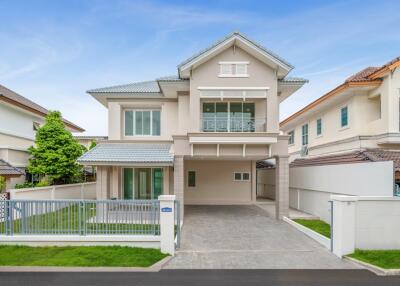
(230, 124)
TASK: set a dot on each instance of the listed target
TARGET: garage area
(219, 182)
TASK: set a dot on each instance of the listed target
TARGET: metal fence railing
(231, 124)
(80, 217)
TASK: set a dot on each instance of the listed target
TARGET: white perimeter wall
(365, 223)
(311, 187)
(61, 192)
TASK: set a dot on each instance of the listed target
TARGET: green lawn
(316, 225)
(79, 256)
(388, 259)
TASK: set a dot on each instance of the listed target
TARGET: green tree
(2, 183)
(55, 152)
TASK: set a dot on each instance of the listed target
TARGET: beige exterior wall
(215, 183)
(371, 113)
(169, 118)
(259, 75)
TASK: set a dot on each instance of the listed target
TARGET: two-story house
(199, 134)
(357, 121)
(19, 120)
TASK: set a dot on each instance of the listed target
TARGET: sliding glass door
(142, 183)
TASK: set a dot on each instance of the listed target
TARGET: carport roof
(128, 153)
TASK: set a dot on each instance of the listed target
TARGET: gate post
(167, 223)
(343, 225)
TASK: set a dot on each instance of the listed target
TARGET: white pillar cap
(167, 198)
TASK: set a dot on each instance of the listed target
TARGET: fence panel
(80, 217)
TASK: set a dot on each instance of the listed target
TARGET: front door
(142, 183)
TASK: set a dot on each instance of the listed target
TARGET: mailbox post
(167, 223)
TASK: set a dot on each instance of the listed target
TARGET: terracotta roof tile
(362, 75)
(370, 155)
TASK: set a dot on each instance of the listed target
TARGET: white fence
(365, 223)
(84, 191)
(145, 223)
(311, 187)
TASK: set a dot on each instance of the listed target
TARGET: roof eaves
(245, 38)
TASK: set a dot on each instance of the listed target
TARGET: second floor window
(304, 134)
(291, 137)
(142, 122)
(344, 117)
(319, 127)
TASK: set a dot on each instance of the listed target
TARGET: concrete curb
(373, 268)
(153, 268)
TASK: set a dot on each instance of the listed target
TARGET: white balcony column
(281, 186)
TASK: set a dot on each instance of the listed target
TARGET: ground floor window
(142, 183)
(241, 176)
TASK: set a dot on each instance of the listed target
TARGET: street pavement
(200, 277)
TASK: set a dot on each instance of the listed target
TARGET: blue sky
(53, 51)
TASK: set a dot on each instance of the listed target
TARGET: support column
(166, 190)
(253, 181)
(179, 182)
(281, 186)
(102, 183)
(115, 183)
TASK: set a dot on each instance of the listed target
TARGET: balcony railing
(223, 124)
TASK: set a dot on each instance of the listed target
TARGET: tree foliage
(55, 152)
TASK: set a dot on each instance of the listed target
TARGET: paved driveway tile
(246, 237)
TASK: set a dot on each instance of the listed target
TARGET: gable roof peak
(241, 41)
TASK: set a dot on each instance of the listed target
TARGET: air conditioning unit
(304, 151)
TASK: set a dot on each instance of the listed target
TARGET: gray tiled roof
(8, 170)
(243, 37)
(129, 153)
(136, 87)
(293, 80)
(171, 78)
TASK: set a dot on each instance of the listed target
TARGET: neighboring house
(360, 114)
(19, 120)
(87, 140)
(199, 134)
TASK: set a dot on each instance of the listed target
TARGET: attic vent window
(233, 69)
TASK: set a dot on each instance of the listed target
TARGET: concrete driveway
(246, 237)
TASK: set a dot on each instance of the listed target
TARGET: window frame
(318, 126)
(233, 69)
(345, 107)
(188, 178)
(304, 135)
(291, 137)
(134, 110)
(241, 173)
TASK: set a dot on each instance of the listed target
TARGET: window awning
(129, 154)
